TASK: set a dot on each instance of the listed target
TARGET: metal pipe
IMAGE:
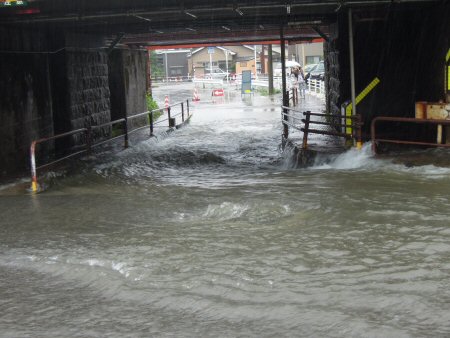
(270, 69)
(283, 80)
(226, 63)
(208, 9)
(352, 68)
(407, 120)
(166, 66)
(34, 182)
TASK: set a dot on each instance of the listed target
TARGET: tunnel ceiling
(172, 22)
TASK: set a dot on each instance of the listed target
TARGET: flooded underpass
(209, 232)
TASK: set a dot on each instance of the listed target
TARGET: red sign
(218, 92)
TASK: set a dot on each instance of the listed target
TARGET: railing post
(358, 121)
(150, 117)
(168, 115)
(182, 111)
(187, 106)
(305, 131)
(34, 182)
(285, 126)
(373, 136)
(125, 127)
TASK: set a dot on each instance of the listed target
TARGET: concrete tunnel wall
(26, 111)
(405, 49)
(53, 82)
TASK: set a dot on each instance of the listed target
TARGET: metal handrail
(289, 120)
(88, 132)
(376, 140)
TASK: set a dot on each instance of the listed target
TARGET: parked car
(277, 71)
(217, 73)
(318, 73)
(308, 68)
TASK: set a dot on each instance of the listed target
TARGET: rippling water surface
(208, 233)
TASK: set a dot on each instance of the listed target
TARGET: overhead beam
(322, 34)
(115, 41)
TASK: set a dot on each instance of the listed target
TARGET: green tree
(156, 65)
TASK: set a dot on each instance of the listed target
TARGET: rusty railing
(88, 131)
(301, 121)
(376, 140)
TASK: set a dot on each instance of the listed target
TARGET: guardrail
(376, 140)
(316, 87)
(88, 131)
(301, 121)
(208, 81)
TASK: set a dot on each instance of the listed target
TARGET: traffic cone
(196, 97)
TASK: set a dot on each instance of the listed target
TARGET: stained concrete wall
(25, 105)
(128, 84)
(88, 91)
(405, 49)
(53, 82)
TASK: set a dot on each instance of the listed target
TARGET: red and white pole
(166, 102)
(34, 183)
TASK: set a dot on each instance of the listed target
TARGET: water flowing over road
(209, 233)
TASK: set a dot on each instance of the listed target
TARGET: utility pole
(270, 69)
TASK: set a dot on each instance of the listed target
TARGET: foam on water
(364, 159)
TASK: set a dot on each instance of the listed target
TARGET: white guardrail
(312, 87)
(204, 82)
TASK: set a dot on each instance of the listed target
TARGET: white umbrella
(292, 64)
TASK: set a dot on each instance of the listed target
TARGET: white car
(216, 73)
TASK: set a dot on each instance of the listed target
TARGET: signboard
(218, 92)
(210, 50)
(246, 82)
(12, 3)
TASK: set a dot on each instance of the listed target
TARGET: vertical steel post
(352, 66)
(187, 106)
(305, 131)
(283, 80)
(34, 182)
(168, 115)
(256, 68)
(166, 66)
(270, 69)
(182, 111)
(358, 121)
(149, 73)
(150, 115)
(283, 68)
(226, 63)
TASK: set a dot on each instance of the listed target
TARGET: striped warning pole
(447, 89)
(359, 98)
(166, 102)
